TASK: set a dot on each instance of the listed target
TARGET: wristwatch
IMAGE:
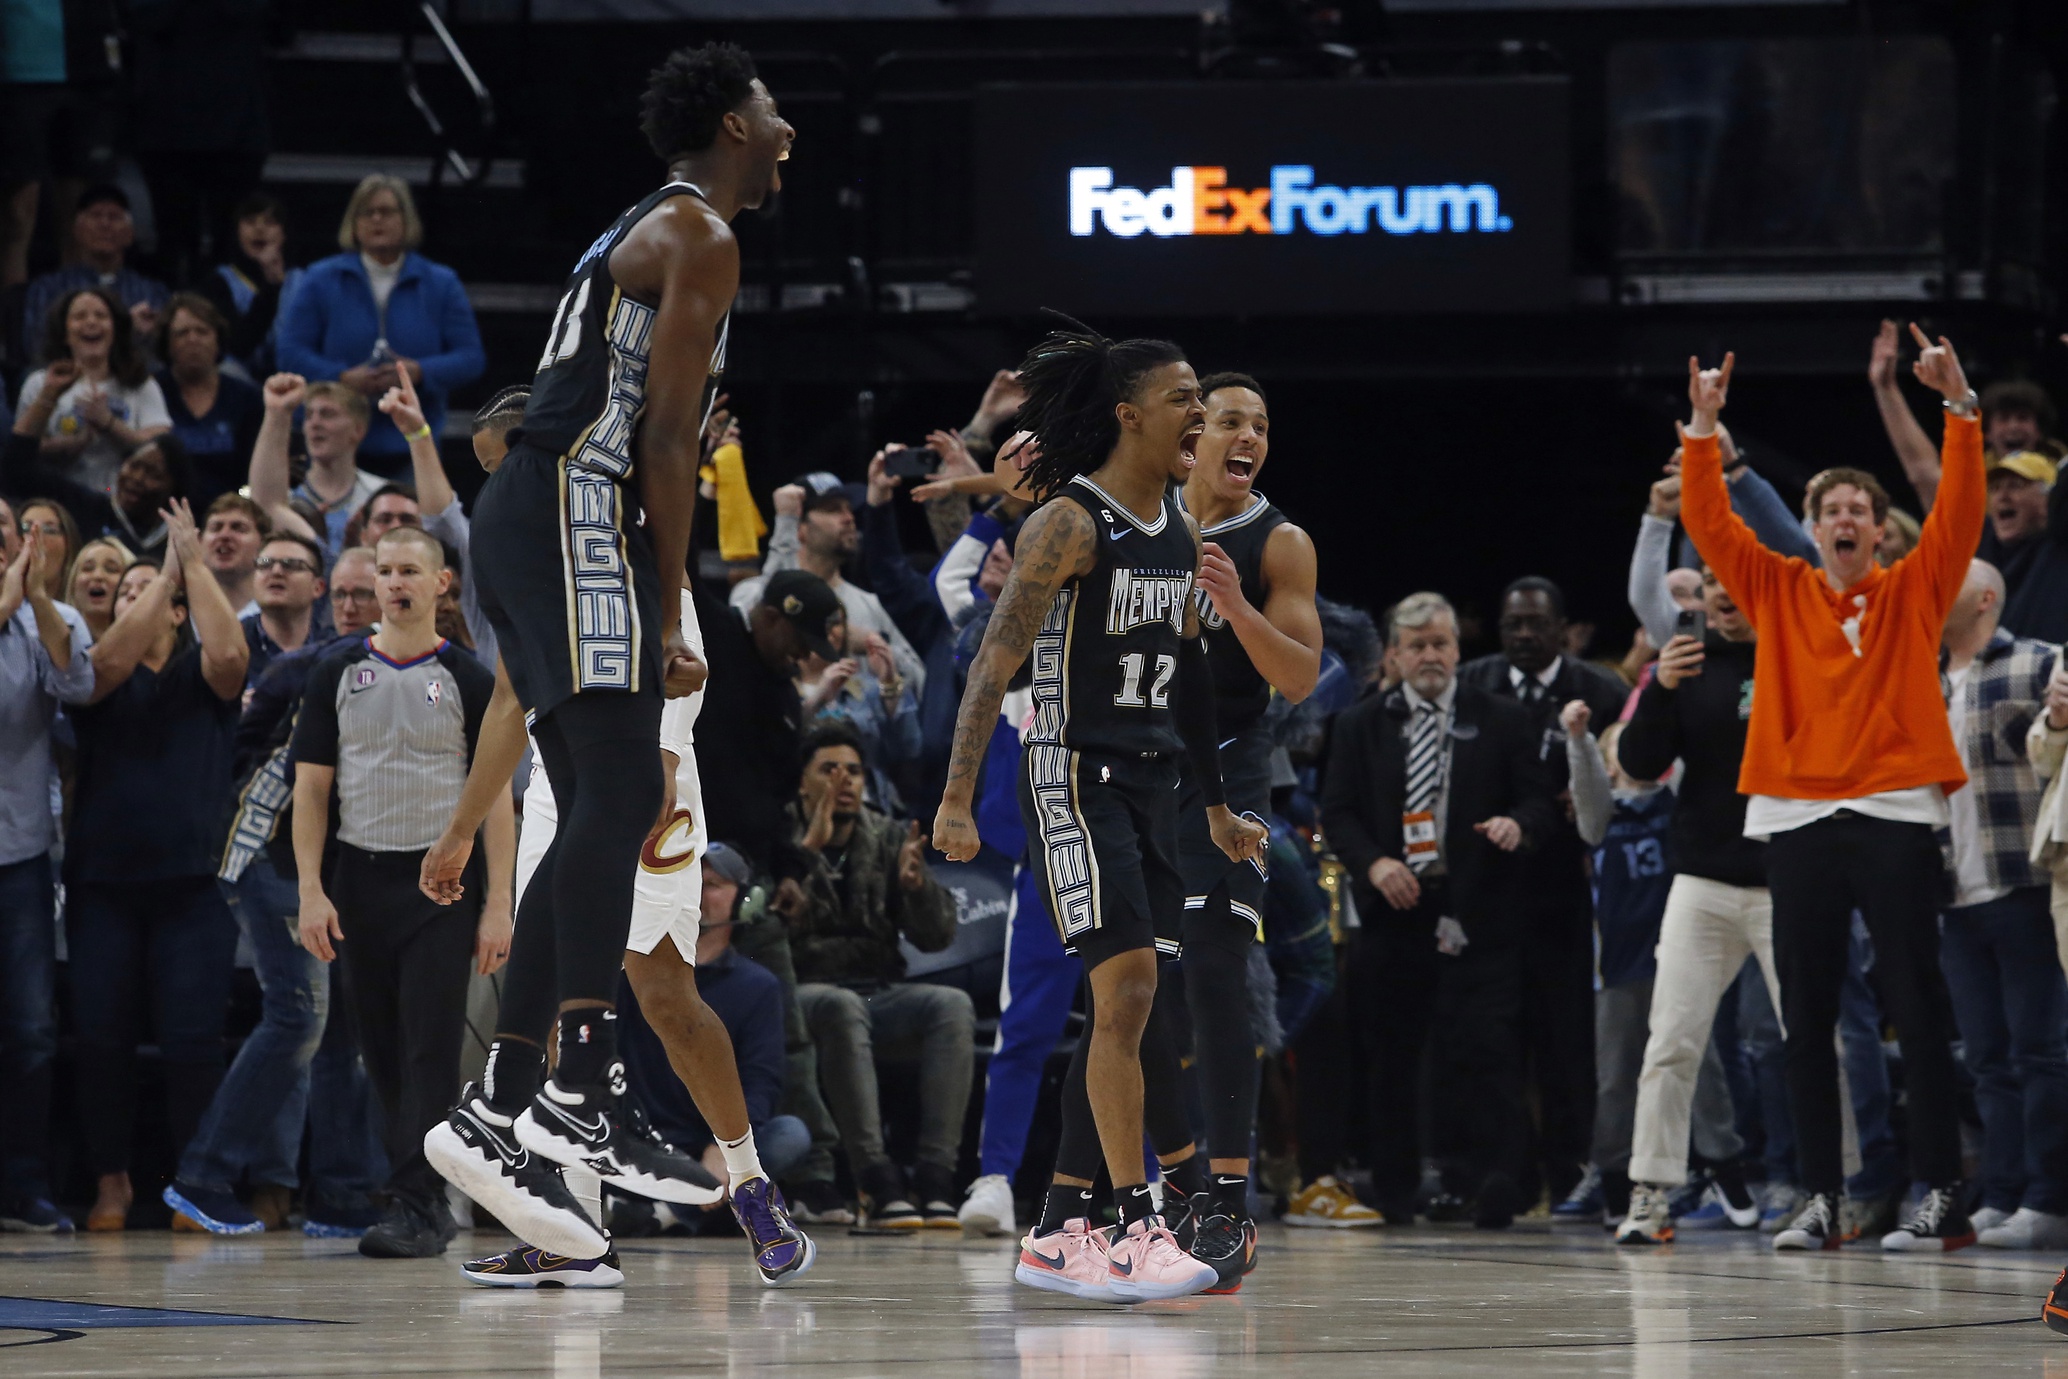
(1968, 408)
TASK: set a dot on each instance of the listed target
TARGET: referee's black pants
(1892, 874)
(409, 960)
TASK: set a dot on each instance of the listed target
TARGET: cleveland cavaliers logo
(671, 847)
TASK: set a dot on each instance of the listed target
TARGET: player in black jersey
(1255, 600)
(1100, 595)
(580, 539)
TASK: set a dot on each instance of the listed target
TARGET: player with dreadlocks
(1101, 595)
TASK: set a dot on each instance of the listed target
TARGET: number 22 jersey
(1106, 657)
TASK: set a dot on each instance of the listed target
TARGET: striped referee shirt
(401, 736)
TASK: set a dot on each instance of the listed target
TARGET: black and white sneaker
(1815, 1227)
(574, 1126)
(476, 1149)
(1939, 1225)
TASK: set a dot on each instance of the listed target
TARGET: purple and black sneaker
(781, 1252)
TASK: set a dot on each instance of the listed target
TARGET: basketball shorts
(567, 579)
(1246, 779)
(668, 892)
(1102, 836)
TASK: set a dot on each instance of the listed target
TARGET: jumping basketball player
(1101, 594)
(1255, 600)
(590, 643)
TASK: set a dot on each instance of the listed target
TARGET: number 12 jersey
(1106, 657)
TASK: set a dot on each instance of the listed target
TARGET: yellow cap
(2026, 464)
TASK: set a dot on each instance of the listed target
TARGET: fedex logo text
(1199, 201)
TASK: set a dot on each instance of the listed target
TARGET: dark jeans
(162, 946)
(408, 959)
(254, 1125)
(28, 1026)
(1866, 1075)
(2011, 1001)
(1890, 872)
(1406, 996)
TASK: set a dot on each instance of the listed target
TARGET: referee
(391, 721)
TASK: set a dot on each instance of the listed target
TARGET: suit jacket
(1556, 870)
(1494, 770)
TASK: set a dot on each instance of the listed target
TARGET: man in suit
(1434, 791)
(1557, 915)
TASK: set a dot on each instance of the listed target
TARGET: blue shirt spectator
(103, 231)
(359, 316)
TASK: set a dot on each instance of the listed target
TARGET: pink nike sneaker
(1071, 1260)
(1145, 1264)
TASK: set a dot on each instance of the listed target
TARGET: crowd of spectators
(1645, 971)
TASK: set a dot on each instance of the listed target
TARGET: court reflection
(1126, 1346)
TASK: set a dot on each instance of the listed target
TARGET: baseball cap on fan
(2026, 464)
(809, 603)
(824, 490)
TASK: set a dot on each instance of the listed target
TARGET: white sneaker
(988, 1208)
(1988, 1218)
(2024, 1229)
(1650, 1221)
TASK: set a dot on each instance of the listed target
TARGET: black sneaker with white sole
(574, 1126)
(475, 1148)
(1940, 1225)
(1815, 1227)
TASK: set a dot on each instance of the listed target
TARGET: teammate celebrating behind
(1100, 594)
(1255, 601)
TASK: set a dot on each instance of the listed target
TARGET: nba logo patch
(432, 693)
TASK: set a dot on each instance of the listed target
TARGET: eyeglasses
(343, 595)
(293, 564)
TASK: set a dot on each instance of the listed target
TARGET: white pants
(668, 893)
(1709, 929)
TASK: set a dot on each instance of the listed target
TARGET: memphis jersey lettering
(1143, 598)
(1199, 201)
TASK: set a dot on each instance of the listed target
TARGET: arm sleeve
(150, 406)
(460, 358)
(782, 545)
(1592, 801)
(1755, 500)
(316, 730)
(953, 578)
(476, 683)
(903, 591)
(1194, 711)
(1748, 569)
(72, 682)
(298, 332)
(1953, 528)
(1651, 739)
(1649, 599)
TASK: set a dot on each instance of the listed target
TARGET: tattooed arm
(1056, 545)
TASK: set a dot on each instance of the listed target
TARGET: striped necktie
(1424, 767)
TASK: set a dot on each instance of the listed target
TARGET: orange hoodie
(1832, 720)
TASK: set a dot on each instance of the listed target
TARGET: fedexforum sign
(1199, 201)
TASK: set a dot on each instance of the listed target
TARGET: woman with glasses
(150, 938)
(378, 310)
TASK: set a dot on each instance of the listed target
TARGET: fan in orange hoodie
(1848, 761)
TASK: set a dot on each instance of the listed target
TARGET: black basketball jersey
(590, 389)
(1106, 658)
(1240, 693)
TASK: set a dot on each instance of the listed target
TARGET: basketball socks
(1231, 1193)
(1134, 1204)
(1188, 1176)
(588, 1046)
(511, 1079)
(742, 1161)
(1064, 1204)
